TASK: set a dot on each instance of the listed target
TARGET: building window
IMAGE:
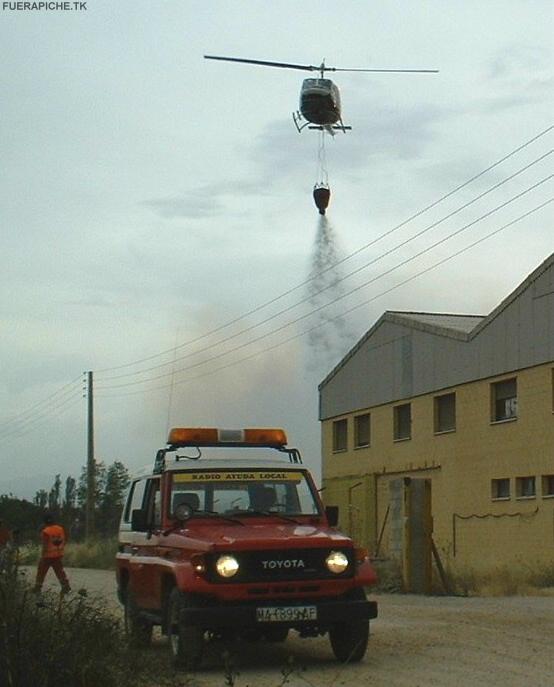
(445, 413)
(548, 485)
(525, 487)
(500, 488)
(362, 430)
(504, 400)
(340, 436)
(403, 421)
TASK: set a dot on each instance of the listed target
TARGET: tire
(137, 629)
(349, 640)
(185, 643)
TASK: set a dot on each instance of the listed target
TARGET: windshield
(240, 492)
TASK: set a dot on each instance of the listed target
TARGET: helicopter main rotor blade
(285, 65)
(396, 71)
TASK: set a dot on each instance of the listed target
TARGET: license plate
(280, 614)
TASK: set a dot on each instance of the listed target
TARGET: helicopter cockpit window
(322, 83)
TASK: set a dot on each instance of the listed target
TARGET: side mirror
(138, 520)
(332, 513)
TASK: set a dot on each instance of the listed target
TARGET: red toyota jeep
(227, 537)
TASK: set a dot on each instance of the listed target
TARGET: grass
(389, 575)
(516, 580)
(97, 554)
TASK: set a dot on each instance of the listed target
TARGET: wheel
(185, 643)
(138, 630)
(349, 640)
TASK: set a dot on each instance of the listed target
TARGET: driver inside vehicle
(262, 498)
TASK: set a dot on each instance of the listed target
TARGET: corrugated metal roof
(460, 323)
(461, 327)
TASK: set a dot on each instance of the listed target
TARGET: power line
(64, 390)
(21, 420)
(32, 423)
(343, 314)
(348, 257)
(335, 282)
(338, 298)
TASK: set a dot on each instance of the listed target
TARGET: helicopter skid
(330, 128)
(297, 119)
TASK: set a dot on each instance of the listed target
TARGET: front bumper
(328, 613)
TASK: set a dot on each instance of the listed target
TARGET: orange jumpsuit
(53, 544)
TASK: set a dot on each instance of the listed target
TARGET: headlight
(227, 566)
(337, 562)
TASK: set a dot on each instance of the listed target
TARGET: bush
(51, 640)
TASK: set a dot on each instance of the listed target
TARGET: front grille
(280, 589)
(276, 566)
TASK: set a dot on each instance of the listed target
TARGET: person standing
(53, 545)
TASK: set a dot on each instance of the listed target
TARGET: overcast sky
(150, 197)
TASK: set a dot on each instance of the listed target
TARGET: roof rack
(196, 437)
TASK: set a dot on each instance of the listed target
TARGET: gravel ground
(416, 642)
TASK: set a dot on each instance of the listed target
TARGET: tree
(99, 481)
(70, 496)
(54, 495)
(41, 498)
(22, 515)
(116, 483)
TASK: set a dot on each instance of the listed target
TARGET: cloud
(517, 61)
(207, 201)
(197, 204)
(401, 133)
(518, 76)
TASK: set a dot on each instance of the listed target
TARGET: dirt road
(416, 642)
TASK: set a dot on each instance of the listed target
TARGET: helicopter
(320, 106)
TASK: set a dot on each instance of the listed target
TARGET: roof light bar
(208, 436)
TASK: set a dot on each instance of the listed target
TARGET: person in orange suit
(53, 545)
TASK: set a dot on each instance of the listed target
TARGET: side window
(135, 499)
(154, 502)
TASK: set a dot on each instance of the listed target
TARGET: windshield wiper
(271, 513)
(214, 513)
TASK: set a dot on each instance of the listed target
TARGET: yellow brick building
(464, 401)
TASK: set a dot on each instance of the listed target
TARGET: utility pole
(91, 466)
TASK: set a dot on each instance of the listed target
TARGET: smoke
(328, 342)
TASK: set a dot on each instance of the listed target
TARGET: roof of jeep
(223, 463)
